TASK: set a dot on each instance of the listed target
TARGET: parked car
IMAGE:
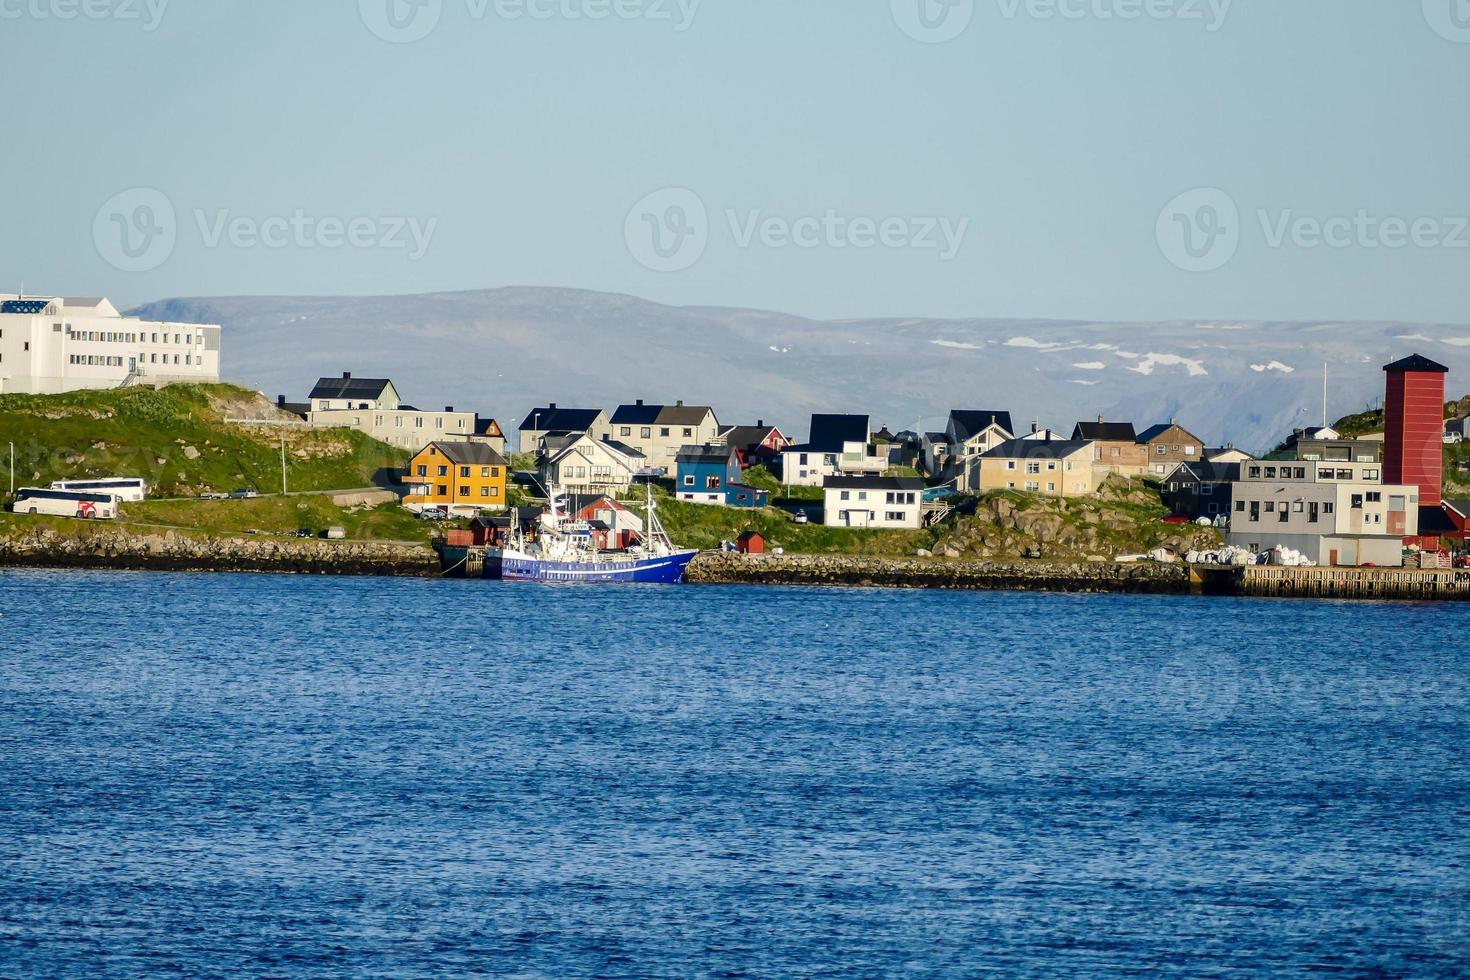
(305, 533)
(214, 495)
(433, 514)
(800, 517)
(244, 493)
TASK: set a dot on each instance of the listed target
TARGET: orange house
(458, 477)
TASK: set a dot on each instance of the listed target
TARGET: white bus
(123, 488)
(66, 503)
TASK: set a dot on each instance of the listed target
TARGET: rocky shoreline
(104, 548)
(929, 573)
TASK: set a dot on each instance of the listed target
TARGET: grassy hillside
(177, 439)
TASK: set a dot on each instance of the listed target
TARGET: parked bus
(123, 488)
(66, 503)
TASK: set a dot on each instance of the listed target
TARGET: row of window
(104, 360)
(646, 432)
(1300, 473)
(93, 360)
(894, 498)
(569, 472)
(124, 337)
(487, 493)
(486, 472)
(1034, 468)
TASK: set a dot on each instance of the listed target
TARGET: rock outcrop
(930, 573)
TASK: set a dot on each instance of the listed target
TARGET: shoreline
(111, 549)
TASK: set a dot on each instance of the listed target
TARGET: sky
(1076, 159)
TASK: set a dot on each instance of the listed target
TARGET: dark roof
(295, 408)
(1416, 362)
(969, 423)
(554, 419)
(578, 502)
(1462, 507)
(1036, 449)
(349, 387)
(872, 483)
(831, 432)
(483, 427)
(471, 454)
(937, 437)
(25, 306)
(1154, 431)
(641, 414)
(705, 454)
(1433, 520)
(747, 436)
(1106, 431)
(1213, 472)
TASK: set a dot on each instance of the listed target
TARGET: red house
(755, 444)
(752, 543)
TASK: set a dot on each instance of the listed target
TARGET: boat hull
(661, 570)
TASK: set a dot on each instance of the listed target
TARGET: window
(1270, 506)
(1255, 510)
(1240, 506)
(846, 495)
(1033, 468)
(464, 472)
(443, 489)
(1032, 486)
(1329, 508)
(689, 433)
(1010, 464)
(1206, 489)
(1375, 497)
(1344, 474)
(625, 431)
(1370, 474)
(1357, 501)
(645, 433)
(894, 516)
(1189, 450)
(484, 491)
(418, 423)
(1051, 488)
(1255, 472)
(443, 471)
(712, 483)
(1313, 512)
(1163, 450)
(663, 433)
(1285, 515)
(423, 471)
(1270, 472)
(464, 491)
(484, 472)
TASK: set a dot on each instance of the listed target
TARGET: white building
(583, 464)
(1334, 513)
(840, 445)
(54, 344)
(878, 502)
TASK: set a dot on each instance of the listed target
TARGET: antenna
(1325, 420)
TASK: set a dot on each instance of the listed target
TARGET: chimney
(1100, 420)
(760, 423)
(1035, 427)
(346, 375)
(679, 403)
(551, 407)
(448, 409)
(281, 400)
(640, 403)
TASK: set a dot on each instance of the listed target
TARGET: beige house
(660, 431)
(1052, 467)
(556, 420)
(582, 464)
(1334, 513)
(1115, 447)
(372, 406)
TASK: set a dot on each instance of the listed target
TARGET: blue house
(711, 474)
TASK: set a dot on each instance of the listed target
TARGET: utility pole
(283, 465)
(12, 469)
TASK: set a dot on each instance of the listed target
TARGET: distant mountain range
(503, 351)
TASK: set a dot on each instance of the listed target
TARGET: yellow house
(1054, 467)
(460, 477)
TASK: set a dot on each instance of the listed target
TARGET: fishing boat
(562, 549)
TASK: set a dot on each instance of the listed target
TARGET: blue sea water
(250, 776)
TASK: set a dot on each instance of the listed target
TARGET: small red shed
(752, 543)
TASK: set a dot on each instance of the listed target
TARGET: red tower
(1413, 434)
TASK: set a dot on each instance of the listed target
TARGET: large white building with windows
(51, 344)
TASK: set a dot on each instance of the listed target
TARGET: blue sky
(301, 152)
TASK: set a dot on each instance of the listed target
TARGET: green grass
(284, 515)
(151, 433)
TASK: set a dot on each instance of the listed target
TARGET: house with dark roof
(582, 464)
(373, 406)
(710, 474)
(1115, 446)
(357, 394)
(970, 433)
(457, 478)
(1054, 467)
(660, 431)
(1168, 444)
(840, 445)
(876, 502)
(756, 444)
(1198, 489)
(557, 420)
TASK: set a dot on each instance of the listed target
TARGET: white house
(582, 464)
(879, 502)
(840, 445)
(51, 344)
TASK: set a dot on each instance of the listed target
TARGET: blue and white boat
(565, 550)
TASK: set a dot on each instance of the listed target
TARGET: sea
(222, 775)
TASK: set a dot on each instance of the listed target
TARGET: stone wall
(104, 547)
(844, 570)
